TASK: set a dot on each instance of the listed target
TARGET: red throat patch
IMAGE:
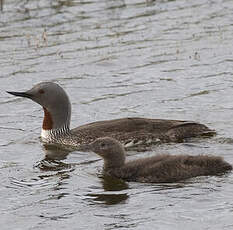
(47, 122)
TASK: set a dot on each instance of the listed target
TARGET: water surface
(115, 58)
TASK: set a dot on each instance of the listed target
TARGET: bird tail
(210, 165)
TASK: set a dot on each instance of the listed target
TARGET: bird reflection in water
(110, 184)
(53, 158)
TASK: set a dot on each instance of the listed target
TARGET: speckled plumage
(156, 169)
(129, 131)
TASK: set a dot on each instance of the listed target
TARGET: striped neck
(55, 125)
(52, 135)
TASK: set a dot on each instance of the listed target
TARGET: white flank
(45, 134)
(133, 143)
(129, 144)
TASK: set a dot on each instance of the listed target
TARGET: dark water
(115, 58)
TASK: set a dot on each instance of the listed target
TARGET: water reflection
(55, 152)
(52, 165)
(113, 184)
(109, 199)
(161, 187)
(110, 184)
(52, 160)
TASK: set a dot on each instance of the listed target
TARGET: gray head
(110, 150)
(54, 101)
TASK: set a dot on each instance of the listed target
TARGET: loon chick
(129, 131)
(156, 169)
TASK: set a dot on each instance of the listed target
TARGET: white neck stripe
(45, 134)
(53, 134)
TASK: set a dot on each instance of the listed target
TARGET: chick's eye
(102, 145)
(41, 91)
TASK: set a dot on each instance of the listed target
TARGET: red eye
(41, 91)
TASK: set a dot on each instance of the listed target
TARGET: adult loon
(131, 131)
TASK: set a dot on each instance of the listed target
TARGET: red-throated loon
(129, 131)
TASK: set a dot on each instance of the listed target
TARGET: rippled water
(115, 58)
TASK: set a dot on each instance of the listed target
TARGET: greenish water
(115, 58)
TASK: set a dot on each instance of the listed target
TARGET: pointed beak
(20, 94)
